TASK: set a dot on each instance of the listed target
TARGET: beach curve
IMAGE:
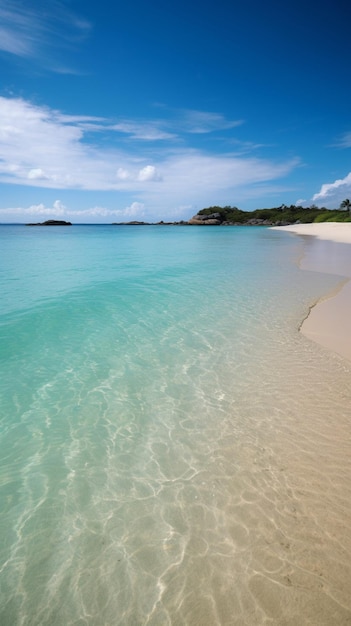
(328, 320)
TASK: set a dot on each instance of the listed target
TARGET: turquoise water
(153, 380)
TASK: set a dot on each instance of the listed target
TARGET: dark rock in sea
(51, 223)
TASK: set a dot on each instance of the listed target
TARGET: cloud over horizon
(332, 194)
(44, 148)
(59, 211)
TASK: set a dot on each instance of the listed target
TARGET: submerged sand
(329, 320)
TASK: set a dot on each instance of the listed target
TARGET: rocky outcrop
(213, 219)
(51, 223)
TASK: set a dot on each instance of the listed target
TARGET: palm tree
(346, 204)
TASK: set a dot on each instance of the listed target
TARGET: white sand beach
(329, 321)
(333, 231)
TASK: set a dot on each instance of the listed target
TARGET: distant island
(277, 216)
(52, 223)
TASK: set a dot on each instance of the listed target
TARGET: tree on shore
(346, 205)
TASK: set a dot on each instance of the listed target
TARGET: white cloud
(34, 140)
(59, 210)
(43, 148)
(35, 210)
(58, 206)
(122, 174)
(332, 194)
(149, 173)
(136, 209)
(37, 174)
(198, 180)
(197, 171)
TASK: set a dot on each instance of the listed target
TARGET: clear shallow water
(173, 451)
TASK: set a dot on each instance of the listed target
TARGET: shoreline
(327, 322)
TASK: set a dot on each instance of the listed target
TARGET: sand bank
(329, 321)
(332, 231)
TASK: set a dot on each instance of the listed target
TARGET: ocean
(173, 450)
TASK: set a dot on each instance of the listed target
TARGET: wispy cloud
(43, 148)
(144, 131)
(28, 31)
(178, 122)
(19, 26)
(345, 141)
(201, 122)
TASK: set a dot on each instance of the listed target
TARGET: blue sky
(114, 111)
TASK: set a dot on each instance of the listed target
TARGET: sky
(113, 111)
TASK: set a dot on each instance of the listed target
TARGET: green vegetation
(280, 215)
(346, 205)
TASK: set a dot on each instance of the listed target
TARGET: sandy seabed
(329, 320)
(229, 506)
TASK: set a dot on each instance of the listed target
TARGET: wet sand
(328, 250)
